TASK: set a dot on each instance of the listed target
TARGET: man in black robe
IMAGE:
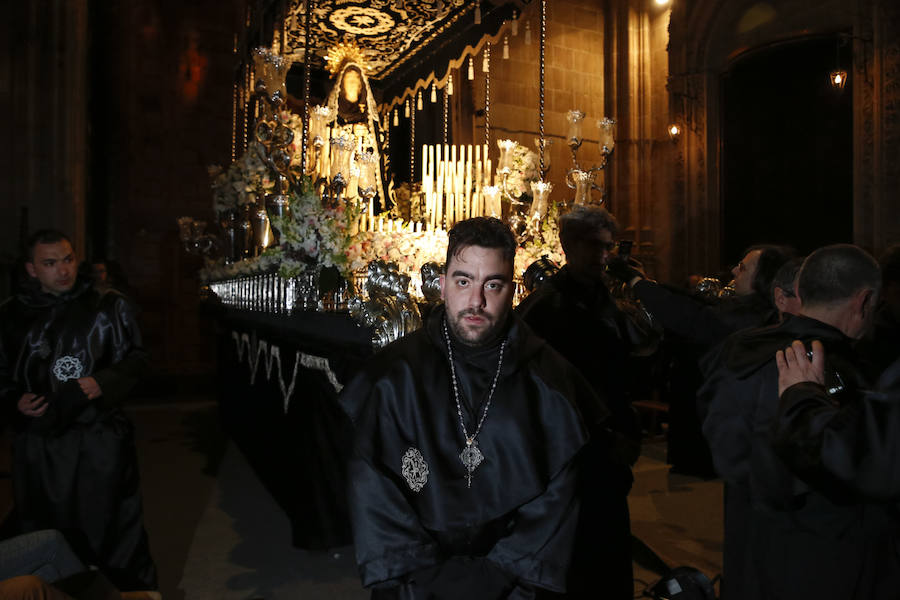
(69, 355)
(693, 326)
(574, 311)
(784, 539)
(462, 480)
(852, 448)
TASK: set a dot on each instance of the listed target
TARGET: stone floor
(217, 535)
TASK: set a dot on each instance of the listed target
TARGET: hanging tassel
(506, 47)
(514, 26)
(419, 100)
(478, 12)
(406, 109)
(528, 33)
(471, 69)
(396, 118)
(450, 86)
(433, 93)
(486, 60)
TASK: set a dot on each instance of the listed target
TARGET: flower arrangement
(409, 249)
(546, 242)
(241, 182)
(524, 170)
(315, 235)
(249, 177)
(325, 238)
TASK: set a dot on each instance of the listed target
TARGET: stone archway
(706, 36)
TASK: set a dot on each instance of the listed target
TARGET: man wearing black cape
(462, 483)
(69, 356)
(783, 537)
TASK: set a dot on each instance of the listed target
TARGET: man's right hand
(32, 405)
(625, 269)
(795, 367)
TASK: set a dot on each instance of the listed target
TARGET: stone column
(45, 157)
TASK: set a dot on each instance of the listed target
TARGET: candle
(479, 210)
(451, 200)
(439, 196)
(468, 186)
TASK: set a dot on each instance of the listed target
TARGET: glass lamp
(674, 131)
(341, 149)
(838, 78)
(491, 195)
(541, 202)
(607, 139)
(367, 163)
(574, 135)
(318, 123)
(504, 164)
(272, 69)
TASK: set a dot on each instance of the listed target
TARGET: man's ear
(29, 268)
(779, 299)
(865, 302)
(443, 280)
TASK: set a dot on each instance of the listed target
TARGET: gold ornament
(345, 53)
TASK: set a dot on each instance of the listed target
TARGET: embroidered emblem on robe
(67, 367)
(414, 469)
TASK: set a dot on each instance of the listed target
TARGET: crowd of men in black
(493, 447)
(811, 479)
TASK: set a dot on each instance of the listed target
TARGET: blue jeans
(43, 553)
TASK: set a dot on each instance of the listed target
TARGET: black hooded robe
(784, 538)
(509, 535)
(75, 467)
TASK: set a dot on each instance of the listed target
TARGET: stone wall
(607, 59)
(163, 75)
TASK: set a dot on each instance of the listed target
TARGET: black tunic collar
(30, 293)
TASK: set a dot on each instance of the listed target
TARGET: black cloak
(784, 538)
(514, 528)
(75, 467)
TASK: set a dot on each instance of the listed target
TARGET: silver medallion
(471, 457)
(414, 469)
(67, 367)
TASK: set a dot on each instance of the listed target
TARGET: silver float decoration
(389, 310)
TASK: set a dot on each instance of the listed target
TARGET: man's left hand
(90, 387)
(795, 367)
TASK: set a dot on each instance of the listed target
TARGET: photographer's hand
(624, 269)
(795, 367)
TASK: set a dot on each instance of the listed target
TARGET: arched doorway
(786, 148)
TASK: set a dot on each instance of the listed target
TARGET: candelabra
(332, 190)
(504, 168)
(583, 180)
(275, 137)
(194, 237)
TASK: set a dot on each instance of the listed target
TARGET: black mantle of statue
(297, 447)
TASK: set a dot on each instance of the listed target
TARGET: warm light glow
(661, 2)
(674, 130)
(838, 78)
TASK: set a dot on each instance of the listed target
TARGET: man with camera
(785, 538)
(574, 311)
